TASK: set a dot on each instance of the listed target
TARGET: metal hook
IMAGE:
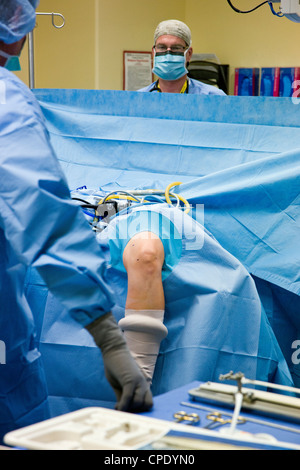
(63, 20)
(53, 15)
(31, 44)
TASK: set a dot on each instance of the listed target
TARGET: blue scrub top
(195, 88)
(40, 227)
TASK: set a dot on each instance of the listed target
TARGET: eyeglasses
(176, 48)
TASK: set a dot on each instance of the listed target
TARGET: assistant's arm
(46, 229)
(49, 232)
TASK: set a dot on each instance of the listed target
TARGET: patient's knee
(144, 254)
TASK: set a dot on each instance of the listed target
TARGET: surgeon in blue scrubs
(172, 52)
(41, 227)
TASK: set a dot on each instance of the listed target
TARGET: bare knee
(145, 255)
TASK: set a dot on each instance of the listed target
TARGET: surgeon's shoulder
(200, 88)
(16, 96)
(146, 88)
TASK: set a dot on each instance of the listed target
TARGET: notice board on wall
(137, 70)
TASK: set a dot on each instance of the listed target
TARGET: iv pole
(31, 45)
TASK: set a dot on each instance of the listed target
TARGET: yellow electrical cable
(167, 191)
(120, 196)
(167, 196)
(182, 199)
(186, 203)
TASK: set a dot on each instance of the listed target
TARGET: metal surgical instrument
(250, 420)
(183, 417)
(217, 420)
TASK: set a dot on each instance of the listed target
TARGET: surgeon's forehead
(170, 40)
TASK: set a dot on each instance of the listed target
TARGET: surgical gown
(40, 227)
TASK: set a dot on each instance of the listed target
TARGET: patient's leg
(143, 260)
(144, 313)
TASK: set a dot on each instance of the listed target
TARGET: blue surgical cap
(17, 19)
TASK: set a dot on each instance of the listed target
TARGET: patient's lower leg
(144, 312)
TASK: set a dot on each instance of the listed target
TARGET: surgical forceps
(183, 417)
(217, 420)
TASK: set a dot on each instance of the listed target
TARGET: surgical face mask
(170, 66)
(12, 63)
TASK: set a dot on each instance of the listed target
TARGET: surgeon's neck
(12, 49)
(173, 86)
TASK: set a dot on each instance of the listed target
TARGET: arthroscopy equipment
(103, 208)
(99, 429)
(243, 396)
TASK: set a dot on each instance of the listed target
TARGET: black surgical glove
(130, 386)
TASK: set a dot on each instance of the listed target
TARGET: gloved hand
(130, 386)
